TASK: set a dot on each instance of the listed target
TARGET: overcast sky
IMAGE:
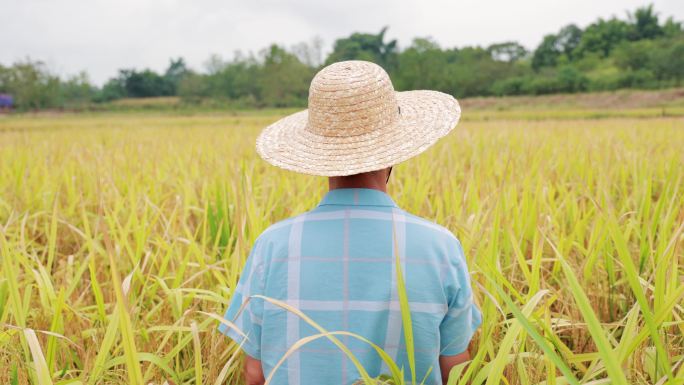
(101, 36)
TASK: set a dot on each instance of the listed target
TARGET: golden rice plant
(122, 236)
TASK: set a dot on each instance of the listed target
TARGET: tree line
(639, 51)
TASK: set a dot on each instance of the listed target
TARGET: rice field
(122, 236)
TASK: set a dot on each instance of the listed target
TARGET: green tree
(77, 91)
(570, 79)
(284, 80)
(235, 80)
(547, 53)
(146, 83)
(644, 24)
(175, 73)
(602, 36)
(634, 55)
(422, 65)
(193, 87)
(365, 46)
(676, 61)
(114, 89)
(672, 28)
(568, 39)
(472, 71)
(509, 51)
(553, 46)
(668, 61)
(136, 84)
(31, 85)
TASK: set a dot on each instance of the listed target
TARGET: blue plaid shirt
(336, 264)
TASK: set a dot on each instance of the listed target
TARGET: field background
(119, 231)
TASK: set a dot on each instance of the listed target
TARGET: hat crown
(351, 98)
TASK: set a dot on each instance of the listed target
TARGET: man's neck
(376, 180)
(352, 182)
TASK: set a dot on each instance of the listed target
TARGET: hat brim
(426, 116)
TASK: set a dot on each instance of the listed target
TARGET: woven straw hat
(357, 123)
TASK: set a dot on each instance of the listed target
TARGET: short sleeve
(249, 321)
(463, 317)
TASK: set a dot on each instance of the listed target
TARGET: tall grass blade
(541, 342)
(407, 325)
(594, 325)
(39, 364)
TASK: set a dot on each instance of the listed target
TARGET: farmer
(336, 263)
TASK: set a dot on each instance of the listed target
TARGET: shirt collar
(357, 197)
